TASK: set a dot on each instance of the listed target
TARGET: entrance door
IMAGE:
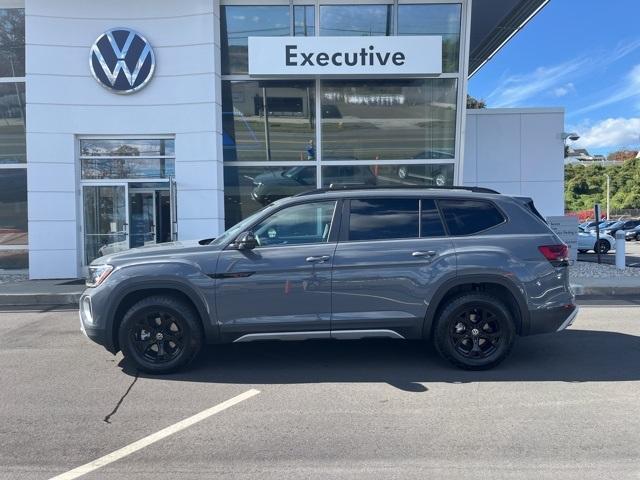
(105, 220)
(142, 218)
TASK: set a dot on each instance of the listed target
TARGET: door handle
(319, 259)
(429, 253)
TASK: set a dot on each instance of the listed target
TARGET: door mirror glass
(246, 241)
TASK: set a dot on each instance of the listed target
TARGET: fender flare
(211, 331)
(516, 291)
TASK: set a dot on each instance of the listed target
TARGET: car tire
(169, 324)
(474, 331)
(581, 250)
(602, 246)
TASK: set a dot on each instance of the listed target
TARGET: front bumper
(91, 324)
(551, 320)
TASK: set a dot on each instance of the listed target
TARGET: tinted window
(383, 218)
(430, 223)
(355, 20)
(465, 217)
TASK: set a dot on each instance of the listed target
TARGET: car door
(391, 257)
(284, 284)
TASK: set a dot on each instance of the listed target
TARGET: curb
(30, 299)
(613, 291)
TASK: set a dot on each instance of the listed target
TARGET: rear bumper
(553, 319)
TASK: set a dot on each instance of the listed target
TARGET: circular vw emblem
(122, 60)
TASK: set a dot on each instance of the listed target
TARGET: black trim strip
(217, 276)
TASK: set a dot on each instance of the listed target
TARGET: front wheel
(475, 331)
(160, 334)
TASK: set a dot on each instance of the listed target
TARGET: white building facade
(203, 141)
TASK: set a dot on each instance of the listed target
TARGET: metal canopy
(493, 23)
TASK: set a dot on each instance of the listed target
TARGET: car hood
(170, 249)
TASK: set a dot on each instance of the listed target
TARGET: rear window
(466, 217)
(383, 218)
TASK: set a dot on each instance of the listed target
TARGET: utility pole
(608, 191)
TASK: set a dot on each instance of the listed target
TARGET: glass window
(430, 222)
(12, 42)
(127, 148)
(119, 159)
(13, 206)
(388, 119)
(304, 20)
(238, 23)
(13, 145)
(248, 189)
(466, 217)
(297, 225)
(388, 175)
(14, 259)
(270, 120)
(434, 19)
(356, 20)
(383, 218)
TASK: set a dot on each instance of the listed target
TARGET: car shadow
(570, 356)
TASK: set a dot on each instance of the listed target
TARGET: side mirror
(246, 241)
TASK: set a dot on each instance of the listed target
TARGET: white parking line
(154, 437)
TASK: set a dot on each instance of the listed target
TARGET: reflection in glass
(248, 189)
(388, 175)
(268, 120)
(14, 259)
(12, 42)
(105, 220)
(238, 23)
(304, 21)
(435, 19)
(383, 218)
(116, 168)
(127, 148)
(355, 20)
(13, 145)
(13, 206)
(388, 119)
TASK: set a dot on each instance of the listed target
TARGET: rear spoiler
(529, 205)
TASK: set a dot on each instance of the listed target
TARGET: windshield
(239, 227)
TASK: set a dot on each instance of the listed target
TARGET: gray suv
(468, 269)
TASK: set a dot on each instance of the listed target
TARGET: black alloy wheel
(160, 334)
(602, 246)
(475, 331)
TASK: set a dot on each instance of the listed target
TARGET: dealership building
(128, 123)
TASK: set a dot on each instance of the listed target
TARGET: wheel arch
(498, 285)
(132, 293)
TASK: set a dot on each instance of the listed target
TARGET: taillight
(556, 254)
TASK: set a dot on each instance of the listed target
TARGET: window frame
(505, 217)
(334, 229)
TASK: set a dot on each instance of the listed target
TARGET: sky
(583, 55)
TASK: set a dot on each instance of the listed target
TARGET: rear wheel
(160, 334)
(475, 331)
(602, 246)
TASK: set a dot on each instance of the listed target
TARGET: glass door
(105, 225)
(142, 217)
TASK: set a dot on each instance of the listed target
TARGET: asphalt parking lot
(562, 406)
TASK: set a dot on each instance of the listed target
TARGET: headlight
(98, 274)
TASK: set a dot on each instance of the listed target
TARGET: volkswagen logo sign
(122, 60)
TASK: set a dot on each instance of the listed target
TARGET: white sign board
(405, 55)
(566, 227)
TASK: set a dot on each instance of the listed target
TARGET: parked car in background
(587, 241)
(621, 225)
(633, 234)
(603, 225)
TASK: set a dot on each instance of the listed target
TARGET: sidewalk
(41, 292)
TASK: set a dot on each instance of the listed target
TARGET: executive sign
(122, 60)
(410, 55)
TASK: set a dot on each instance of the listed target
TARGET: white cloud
(628, 89)
(564, 90)
(609, 133)
(555, 80)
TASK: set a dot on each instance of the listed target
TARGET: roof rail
(350, 186)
